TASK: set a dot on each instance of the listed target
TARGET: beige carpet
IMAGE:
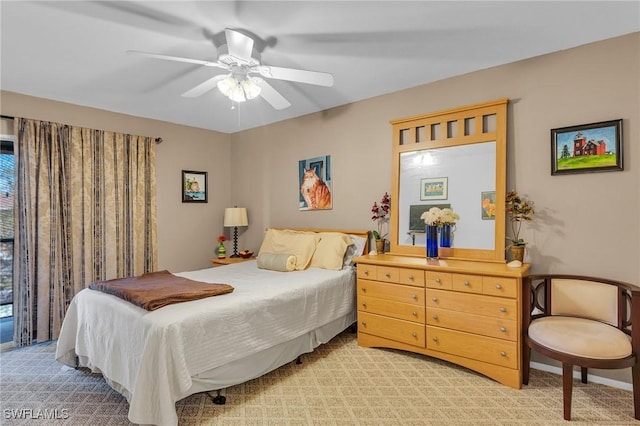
(339, 384)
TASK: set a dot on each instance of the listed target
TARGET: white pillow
(354, 250)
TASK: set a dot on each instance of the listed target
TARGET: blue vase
(431, 232)
(446, 236)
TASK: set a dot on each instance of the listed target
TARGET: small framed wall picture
(194, 187)
(595, 147)
(434, 189)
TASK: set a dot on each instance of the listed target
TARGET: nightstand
(229, 261)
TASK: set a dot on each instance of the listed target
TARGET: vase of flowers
(448, 220)
(380, 215)
(519, 209)
(222, 253)
(437, 219)
(431, 232)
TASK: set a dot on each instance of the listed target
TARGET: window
(7, 188)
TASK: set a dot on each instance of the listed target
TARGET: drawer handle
(438, 280)
(502, 329)
(503, 354)
(364, 289)
(414, 297)
(503, 309)
(410, 277)
(435, 317)
(435, 338)
(364, 323)
(466, 283)
(498, 286)
(435, 299)
(366, 272)
(415, 314)
(364, 305)
(388, 275)
(414, 334)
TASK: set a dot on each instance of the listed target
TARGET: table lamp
(234, 217)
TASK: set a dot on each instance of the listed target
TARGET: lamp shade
(235, 216)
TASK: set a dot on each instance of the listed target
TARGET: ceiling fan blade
(301, 76)
(204, 87)
(239, 45)
(178, 59)
(271, 95)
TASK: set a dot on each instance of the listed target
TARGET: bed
(155, 358)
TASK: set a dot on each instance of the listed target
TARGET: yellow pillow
(302, 245)
(330, 250)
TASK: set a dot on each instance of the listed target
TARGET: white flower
(448, 217)
(438, 217)
(432, 216)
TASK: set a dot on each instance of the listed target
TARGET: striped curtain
(85, 211)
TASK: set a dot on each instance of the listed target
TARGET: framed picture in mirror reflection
(434, 189)
(488, 205)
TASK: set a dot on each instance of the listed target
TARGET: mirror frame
(471, 124)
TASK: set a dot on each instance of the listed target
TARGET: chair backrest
(585, 298)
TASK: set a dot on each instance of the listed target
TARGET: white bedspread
(151, 356)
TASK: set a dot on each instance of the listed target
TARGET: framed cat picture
(315, 183)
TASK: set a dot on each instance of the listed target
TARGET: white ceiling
(75, 51)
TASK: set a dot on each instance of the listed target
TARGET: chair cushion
(580, 337)
(584, 298)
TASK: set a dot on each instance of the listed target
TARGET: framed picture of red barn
(595, 147)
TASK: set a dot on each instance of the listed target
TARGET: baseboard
(576, 375)
(6, 346)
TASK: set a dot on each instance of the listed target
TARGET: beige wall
(584, 223)
(186, 231)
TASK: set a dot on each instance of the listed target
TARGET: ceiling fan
(243, 80)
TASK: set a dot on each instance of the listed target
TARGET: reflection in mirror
(458, 177)
(455, 158)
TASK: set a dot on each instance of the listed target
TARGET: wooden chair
(582, 321)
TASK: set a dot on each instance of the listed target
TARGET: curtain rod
(158, 140)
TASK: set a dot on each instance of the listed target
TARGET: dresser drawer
(499, 286)
(367, 271)
(412, 277)
(487, 349)
(497, 307)
(401, 331)
(472, 323)
(404, 311)
(393, 292)
(388, 274)
(467, 283)
(441, 280)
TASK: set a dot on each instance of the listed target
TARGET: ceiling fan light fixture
(251, 89)
(237, 94)
(239, 91)
(227, 84)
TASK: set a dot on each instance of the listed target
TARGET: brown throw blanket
(157, 289)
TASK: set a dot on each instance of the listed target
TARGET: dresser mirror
(455, 159)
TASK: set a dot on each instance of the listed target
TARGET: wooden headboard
(358, 232)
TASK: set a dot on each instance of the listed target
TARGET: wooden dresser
(461, 311)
